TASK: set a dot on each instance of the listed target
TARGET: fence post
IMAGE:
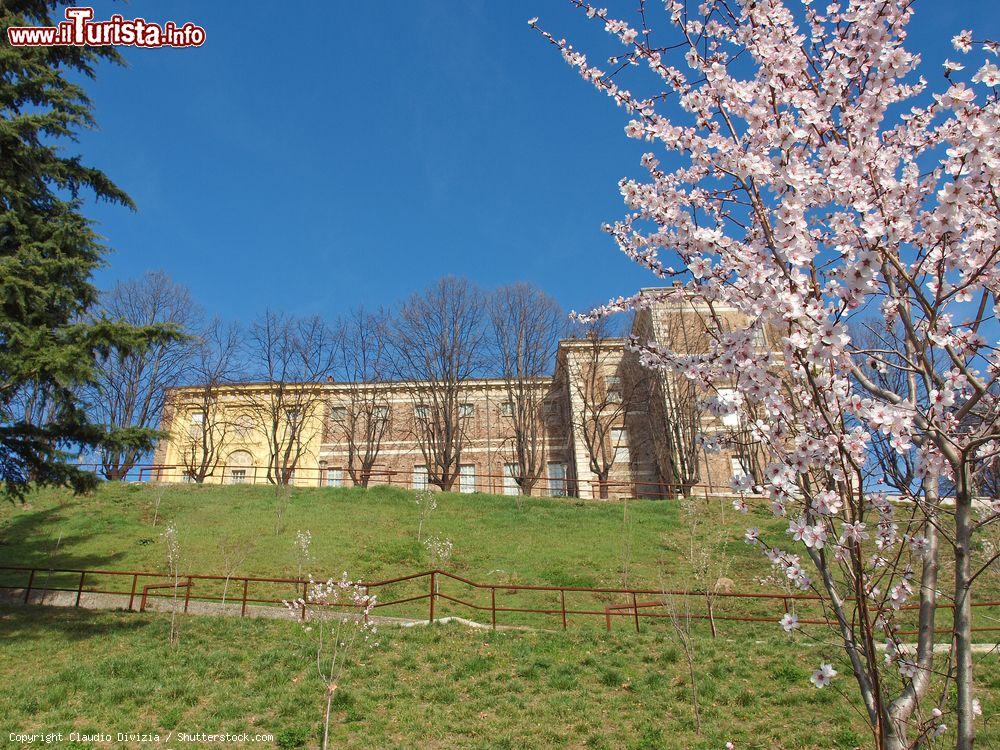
(562, 596)
(635, 609)
(131, 595)
(79, 589)
(493, 605)
(305, 593)
(243, 609)
(433, 573)
(187, 596)
(27, 591)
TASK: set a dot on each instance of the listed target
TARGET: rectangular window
(334, 477)
(614, 386)
(382, 414)
(466, 411)
(467, 478)
(420, 477)
(510, 486)
(238, 476)
(737, 467)
(619, 444)
(729, 395)
(550, 408)
(421, 411)
(338, 413)
(557, 479)
(198, 417)
(758, 339)
(507, 409)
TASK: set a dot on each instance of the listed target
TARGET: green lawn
(439, 687)
(371, 533)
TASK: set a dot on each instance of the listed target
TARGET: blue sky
(350, 153)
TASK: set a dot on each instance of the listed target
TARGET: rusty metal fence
(439, 593)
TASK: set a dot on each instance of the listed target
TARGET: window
(198, 417)
(507, 409)
(737, 467)
(381, 413)
(619, 444)
(338, 413)
(292, 415)
(550, 408)
(510, 486)
(614, 386)
(467, 478)
(421, 412)
(238, 476)
(758, 339)
(244, 426)
(466, 411)
(334, 477)
(730, 396)
(557, 479)
(420, 477)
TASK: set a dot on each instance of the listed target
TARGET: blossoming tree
(806, 177)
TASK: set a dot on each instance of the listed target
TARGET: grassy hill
(371, 534)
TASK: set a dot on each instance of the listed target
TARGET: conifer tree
(50, 338)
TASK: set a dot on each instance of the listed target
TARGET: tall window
(467, 478)
(730, 395)
(338, 413)
(381, 413)
(466, 411)
(557, 479)
(614, 385)
(619, 444)
(737, 467)
(334, 477)
(507, 409)
(420, 477)
(237, 476)
(510, 486)
(421, 412)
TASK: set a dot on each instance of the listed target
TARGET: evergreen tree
(50, 340)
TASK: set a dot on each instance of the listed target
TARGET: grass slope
(440, 687)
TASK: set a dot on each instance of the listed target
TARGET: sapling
(426, 504)
(173, 551)
(340, 636)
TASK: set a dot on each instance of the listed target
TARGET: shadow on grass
(31, 539)
(34, 621)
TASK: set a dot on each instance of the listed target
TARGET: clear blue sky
(315, 156)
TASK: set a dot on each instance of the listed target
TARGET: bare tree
(209, 434)
(525, 324)
(361, 417)
(130, 388)
(438, 343)
(603, 399)
(292, 357)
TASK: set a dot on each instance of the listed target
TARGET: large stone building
(600, 426)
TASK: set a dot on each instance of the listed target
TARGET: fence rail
(496, 484)
(603, 603)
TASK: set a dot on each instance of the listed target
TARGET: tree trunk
(901, 710)
(963, 609)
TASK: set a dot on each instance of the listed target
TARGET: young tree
(131, 386)
(363, 415)
(438, 343)
(525, 324)
(292, 358)
(826, 183)
(211, 430)
(48, 251)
